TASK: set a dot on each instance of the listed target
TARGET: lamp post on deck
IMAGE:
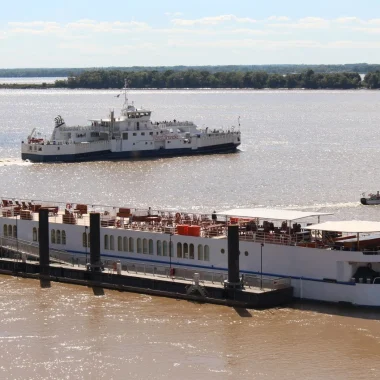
(261, 265)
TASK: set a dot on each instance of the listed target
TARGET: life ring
(68, 206)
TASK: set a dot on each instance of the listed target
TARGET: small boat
(371, 199)
(131, 135)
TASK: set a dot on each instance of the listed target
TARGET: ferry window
(5, 230)
(119, 243)
(30, 148)
(52, 236)
(138, 245)
(150, 246)
(145, 246)
(34, 233)
(84, 239)
(142, 133)
(146, 143)
(88, 239)
(58, 237)
(179, 250)
(15, 231)
(63, 236)
(171, 249)
(10, 231)
(222, 250)
(112, 243)
(200, 252)
(185, 251)
(151, 133)
(125, 136)
(134, 134)
(165, 248)
(105, 241)
(207, 253)
(169, 142)
(125, 244)
(159, 252)
(156, 133)
(246, 253)
(57, 148)
(191, 253)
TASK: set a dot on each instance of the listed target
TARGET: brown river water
(308, 150)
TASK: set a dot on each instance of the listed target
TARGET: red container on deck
(182, 229)
(195, 230)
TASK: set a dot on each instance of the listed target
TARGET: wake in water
(14, 161)
(325, 205)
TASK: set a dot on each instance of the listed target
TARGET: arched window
(138, 245)
(112, 243)
(84, 239)
(15, 231)
(52, 236)
(105, 241)
(171, 249)
(58, 236)
(145, 246)
(150, 246)
(165, 248)
(88, 240)
(34, 233)
(185, 251)
(159, 252)
(63, 237)
(179, 250)
(125, 244)
(207, 253)
(10, 231)
(131, 245)
(191, 253)
(200, 252)
(119, 243)
(5, 230)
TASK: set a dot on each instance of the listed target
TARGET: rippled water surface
(311, 150)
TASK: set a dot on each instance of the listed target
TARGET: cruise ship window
(150, 246)
(63, 236)
(145, 246)
(105, 241)
(139, 245)
(5, 230)
(131, 245)
(58, 237)
(185, 251)
(15, 231)
(159, 252)
(165, 248)
(207, 253)
(52, 233)
(125, 244)
(179, 250)
(191, 253)
(200, 252)
(134, 134)
(112, 243)
(119, 243)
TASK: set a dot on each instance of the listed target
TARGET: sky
(94, 33)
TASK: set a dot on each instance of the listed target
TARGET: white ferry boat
(131, 135)
(326, 261)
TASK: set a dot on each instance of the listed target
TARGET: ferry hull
(369, 202)
(130, 155)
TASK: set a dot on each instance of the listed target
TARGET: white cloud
(212, 20)
(304, 23)
(278, 18)
(173, 14)
(346, 20)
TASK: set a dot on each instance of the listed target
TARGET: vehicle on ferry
(131, 135)
(334, 261)
(371, 199)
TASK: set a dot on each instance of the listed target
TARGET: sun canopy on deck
(267, 213)
(350, 226)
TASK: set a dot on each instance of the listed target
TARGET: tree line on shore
(205, 79)
(362, 68)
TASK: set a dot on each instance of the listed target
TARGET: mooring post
(43, 237)
(95, 263)
(233, 281)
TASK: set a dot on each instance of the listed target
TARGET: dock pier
(179, 283)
